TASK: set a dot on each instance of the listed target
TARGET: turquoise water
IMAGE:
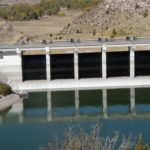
(43, 117)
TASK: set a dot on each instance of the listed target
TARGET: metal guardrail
(75, 43)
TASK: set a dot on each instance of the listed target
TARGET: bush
(50, 7)
(5, 89)
(77, 139)
(94, 32)
(25, 11)
(61, 14)
(19, 12)
(145, 14)
(114, 33)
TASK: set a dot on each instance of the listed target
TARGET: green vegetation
(82, 4)
(25, 11)
(145, 14)
(114, 33)
(50, 7)
(4, 89)
(140, 145)
(22, 11)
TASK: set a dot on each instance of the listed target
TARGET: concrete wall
(10, 65)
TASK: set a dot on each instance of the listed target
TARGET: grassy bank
(4, 89)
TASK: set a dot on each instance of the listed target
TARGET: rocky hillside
(120, 17)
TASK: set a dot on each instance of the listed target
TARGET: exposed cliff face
(123, 15)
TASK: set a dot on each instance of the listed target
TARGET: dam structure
(76, 64)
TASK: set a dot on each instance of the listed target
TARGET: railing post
(19, 56)
(132, 61)
(104, 62)
(48, 70)
(76, 67)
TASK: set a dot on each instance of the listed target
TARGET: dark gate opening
(142, 63)
(118, 64)
(62, 66)
(90, 65)
(34, 67)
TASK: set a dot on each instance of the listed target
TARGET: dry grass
(93, 141)
(42, 28)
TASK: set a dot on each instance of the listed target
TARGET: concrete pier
(104, 62)
(48, 70)
(76, 64)
(132, 61)
(19, 57)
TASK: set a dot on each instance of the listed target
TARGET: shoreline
(8, 101)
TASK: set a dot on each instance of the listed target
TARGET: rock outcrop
(107, 15)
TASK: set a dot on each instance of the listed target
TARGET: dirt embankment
(8, 33)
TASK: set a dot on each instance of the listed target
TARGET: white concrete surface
(93, 83)
(104, 62)
(132, 62)
(11, 64)
(76, 64)
(48, 69)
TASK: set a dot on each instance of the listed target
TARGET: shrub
(140, 145)
(78, 31)
(4, 89)
(93, 141)
(61, 14)
(145, 14)
(114, 33)
(22, 11)
(94, 32)
(50, 7)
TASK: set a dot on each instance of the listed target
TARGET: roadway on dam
(89, 83)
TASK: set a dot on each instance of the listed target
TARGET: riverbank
(8, 101)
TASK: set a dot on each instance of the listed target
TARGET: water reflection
(37, 120)
(79, 105)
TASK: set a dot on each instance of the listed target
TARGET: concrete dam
(77, 64)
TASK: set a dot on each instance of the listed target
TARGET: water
(44, 116)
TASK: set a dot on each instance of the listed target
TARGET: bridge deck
(95, 83)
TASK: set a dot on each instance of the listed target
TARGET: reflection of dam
(72, 105)
(75, 60)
